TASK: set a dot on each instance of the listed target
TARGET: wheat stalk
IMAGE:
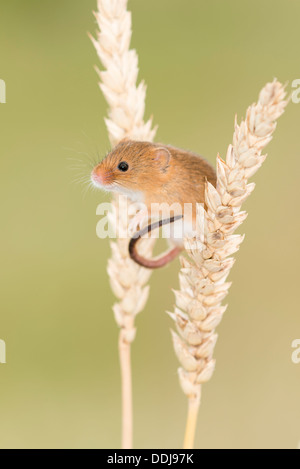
(203, 274)
(126, 101)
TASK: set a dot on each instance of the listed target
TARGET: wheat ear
(203, 274)
(126, 101)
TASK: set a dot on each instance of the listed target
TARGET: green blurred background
(203, 62)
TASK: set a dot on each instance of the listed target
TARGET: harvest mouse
(156, 175)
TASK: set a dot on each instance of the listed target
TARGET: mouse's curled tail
(164, 258)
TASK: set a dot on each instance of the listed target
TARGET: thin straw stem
(191, 423)
(127, 419)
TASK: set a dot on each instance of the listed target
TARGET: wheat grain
(203, 274)
(126, 100)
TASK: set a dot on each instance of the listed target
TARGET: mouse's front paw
(137, 222)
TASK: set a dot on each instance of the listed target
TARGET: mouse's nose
(99, 176)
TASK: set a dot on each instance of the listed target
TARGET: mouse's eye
(123, 166)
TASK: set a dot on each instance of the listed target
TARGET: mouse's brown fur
(181, 179)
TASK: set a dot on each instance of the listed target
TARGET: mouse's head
(132, 168)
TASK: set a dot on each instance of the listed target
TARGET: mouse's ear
(163, 157)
